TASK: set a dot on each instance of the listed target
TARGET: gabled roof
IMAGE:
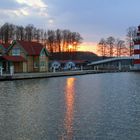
(32, 48)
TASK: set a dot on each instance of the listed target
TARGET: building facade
(25, 56)
(137, 50)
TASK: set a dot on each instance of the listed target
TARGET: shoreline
(22, 76)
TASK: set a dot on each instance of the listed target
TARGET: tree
(131, 33)
(51, 40)
(20, 33)
(56, 40)
(102, 47)
(29, 32)
(76, 40)
(58, 34)
(120, 45)
(110, 42)
(5, 33)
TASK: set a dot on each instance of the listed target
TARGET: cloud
(33, 3)
(36, 7)
(25, 12)
(13, 13)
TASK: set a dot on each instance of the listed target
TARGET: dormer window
(43, 54)
(16, 51)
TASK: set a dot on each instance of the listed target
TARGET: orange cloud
(88, 46)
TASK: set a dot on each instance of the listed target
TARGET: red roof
(32, 48)
(14, 58)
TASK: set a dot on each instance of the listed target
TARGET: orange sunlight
(88, 46)
(69, 99)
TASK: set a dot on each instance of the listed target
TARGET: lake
(88, 107)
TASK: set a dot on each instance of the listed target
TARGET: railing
(11, 71)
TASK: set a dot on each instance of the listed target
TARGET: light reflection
(69, 100)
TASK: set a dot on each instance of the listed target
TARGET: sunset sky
(93, 19)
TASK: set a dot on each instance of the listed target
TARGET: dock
(20, 76)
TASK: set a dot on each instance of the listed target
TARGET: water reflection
(69, 101)
(80, 108)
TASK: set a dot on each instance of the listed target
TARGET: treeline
(56, 40)
(111, 47)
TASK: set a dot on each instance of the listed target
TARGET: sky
(93, 19)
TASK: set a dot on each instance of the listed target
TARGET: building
(67, 64)
(116, 63)
(25, 56)
(136, 41)
(3, 49)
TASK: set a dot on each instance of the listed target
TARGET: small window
(16, 51)
(42, 64)
(43, 53)
(35, 64)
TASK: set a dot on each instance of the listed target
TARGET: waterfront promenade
(20, 76)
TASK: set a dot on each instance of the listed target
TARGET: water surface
(88, 107)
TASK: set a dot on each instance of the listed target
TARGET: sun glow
(88, 46)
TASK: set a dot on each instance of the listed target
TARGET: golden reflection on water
(69, 101)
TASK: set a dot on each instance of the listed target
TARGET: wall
(29, 64)
(43, 63)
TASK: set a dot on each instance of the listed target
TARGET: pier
(20, 76)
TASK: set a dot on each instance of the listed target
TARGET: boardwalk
(19, 76)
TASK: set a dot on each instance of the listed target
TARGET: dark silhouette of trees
(29, 32)
(56, 40)
(111, 47)
(102, 47)
(7, 32)
(121, 48)
(131, 34)
(62, 40)
(50, 39)
(111, 42)
(20, 33)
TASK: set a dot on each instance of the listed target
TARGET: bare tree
(29, 32)
(76, 40)
(5, 32)
(51, 40)
(120, 45)
(102, 47)
(58, 34)
(20, 32)
(131, 33)
(56, 40)
(111, 42)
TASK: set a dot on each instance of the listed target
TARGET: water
(89, 107)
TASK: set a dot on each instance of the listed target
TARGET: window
(42, 64)
(16, 51)
(43, 54)
(35, 64)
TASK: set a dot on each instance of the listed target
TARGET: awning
(14, 58)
